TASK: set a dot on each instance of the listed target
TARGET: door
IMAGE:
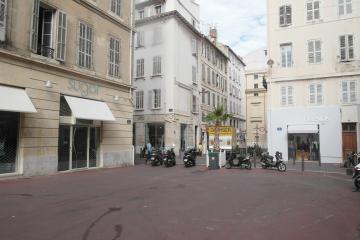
(64, 148)
(9, 124)
(94, 148)
(80, 147)
(349, 139)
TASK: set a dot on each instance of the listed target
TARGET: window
(208, 98)
(156, 99)
(287, 95)
(213, 100)
(203, 96)
(208, 75)
(44, 30)
(114, 58)
(315, 93)
(140, 40)
(157, 9)
(286, 55)
(348, 91)
(141, 14)
(85, 45)
(256, 94)
(157, 35)
(218, 101)
(314, 51)
(345, 7)
(313, 10)
(139, 103)
(285, 15)
(194, 46)
(203, 74)
(256, 85)
(194, 80)
(116, 7)
(157, 65)
(256, 76)
(3, 9)
(213, 77)
(140, 68)
(346, 48)
(195, 108)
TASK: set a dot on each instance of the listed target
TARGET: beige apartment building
(214, 85)
(314, 78)
(256, 97)
(65, 85)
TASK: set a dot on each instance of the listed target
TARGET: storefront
(155, 134)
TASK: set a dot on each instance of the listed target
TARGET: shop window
(9, 123)
(155, 134)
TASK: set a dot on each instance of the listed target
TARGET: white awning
(89, 109)
(15, 100)
(311, 128)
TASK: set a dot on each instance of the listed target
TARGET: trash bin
(214, 161)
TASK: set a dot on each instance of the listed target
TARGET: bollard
(303, 161)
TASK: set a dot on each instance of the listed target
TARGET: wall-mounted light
(48, 84)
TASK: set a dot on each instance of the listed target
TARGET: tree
(217, 117)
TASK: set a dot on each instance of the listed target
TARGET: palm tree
(217, 117)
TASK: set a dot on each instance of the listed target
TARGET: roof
(256, 60)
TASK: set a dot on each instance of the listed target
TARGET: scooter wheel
(357, 182)
(227, 166)
(282, 167)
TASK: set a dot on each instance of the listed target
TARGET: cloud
(241, 24)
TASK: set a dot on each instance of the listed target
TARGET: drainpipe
(131, 65)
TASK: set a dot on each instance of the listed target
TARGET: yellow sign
(224, 131)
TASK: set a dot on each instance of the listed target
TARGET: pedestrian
(148, 151)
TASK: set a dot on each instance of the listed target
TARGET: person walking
(148, 151)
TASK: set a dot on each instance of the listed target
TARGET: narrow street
(177, 203)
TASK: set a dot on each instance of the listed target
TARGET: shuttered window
(348, 91)
(157, 65)
(85, 54)
(345, 7)
(34, 26)
(287, 95)
(61, 36)
(285, 15)
(315, 94)
(346, 47)
(116, 7)
(114, 57)
(313, 10)
(314, 51)
(140, 68)
(3, 8)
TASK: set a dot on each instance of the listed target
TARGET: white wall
(328, 118)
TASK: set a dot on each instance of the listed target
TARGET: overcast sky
(241, 24)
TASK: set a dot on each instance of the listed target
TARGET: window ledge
(45, 59)
(157, 76)
(117, 79)
(139, 78)
(85, 70)
(139, 110)
(154, 109)
(139, 46)
(114, 15)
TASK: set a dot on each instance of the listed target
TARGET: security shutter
(34, 26)
(3, 9)
(61, 36)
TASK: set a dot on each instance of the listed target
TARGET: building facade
(256, 97)
(166, 74)
(65, 85)
(314, 78)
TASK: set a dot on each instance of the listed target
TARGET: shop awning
(15, 100)
(89, 109)
(311, 128)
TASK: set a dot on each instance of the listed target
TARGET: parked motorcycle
(238, 161)
(190, 157)
(353, 160)
(267, 161)
(156, 158)
(356, 177)
(169, 158)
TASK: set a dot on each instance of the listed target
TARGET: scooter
(267, 161)
(356, 177)
(352, 160)
(156, 158)
(168, 158)
(242, 162)
(190, 157)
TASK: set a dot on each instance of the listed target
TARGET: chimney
(213, 34)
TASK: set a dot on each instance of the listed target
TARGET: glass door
(80, 147)
(64, 148)
(94, 147)
(9, 123)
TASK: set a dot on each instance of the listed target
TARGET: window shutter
(344, 87)
(34, 26)
(341, 7)
(318, 51)
(61, 36)
(319, 94)
(150, 99)
(316, 10)
(283, 96)
(3, 10)
(350, 47)
(352, 89)
(289, 56)
(348, 6)
(282, 15)
(312, 93)
(288, 15)
(283, 57)
(290, 95)
(309, 9)
(343, 48)
(194, 46)
(311, 49)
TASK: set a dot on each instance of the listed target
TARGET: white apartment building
(314, 78)
(256, 97)
(236, 104)
(166, 74)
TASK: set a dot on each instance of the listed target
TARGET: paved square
(177, 203)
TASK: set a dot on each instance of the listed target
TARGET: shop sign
(84, 88)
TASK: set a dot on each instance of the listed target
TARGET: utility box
(214, 161)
